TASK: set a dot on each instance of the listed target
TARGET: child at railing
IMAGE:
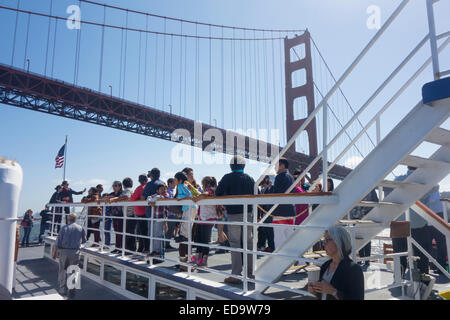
(183, 192)
(159, 212)
(206, 213)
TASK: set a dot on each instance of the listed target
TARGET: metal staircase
(421, 124)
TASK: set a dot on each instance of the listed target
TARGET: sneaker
(194, 259)
(268, 249)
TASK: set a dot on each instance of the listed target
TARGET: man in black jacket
(283, 214)
(237, 183)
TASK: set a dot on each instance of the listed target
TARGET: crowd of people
(137, 230)
(136, 236)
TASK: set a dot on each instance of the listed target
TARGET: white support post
(255, 236)
(378, 129)
(152, 214)
(53, 222)
(433, 39)
(191, 207)
(124, 219)
(324, 149)
(102, 240)
(244, 242)
(445, 206)
(410, 261)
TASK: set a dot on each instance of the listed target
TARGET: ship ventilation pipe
(10, 186)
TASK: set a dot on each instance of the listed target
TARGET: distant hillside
(445, 195)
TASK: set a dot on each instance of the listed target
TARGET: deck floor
(37, 276)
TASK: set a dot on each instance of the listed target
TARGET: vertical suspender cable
(185, 75)
(26, 41)
(181, 63)
(222, 84)
(196, 74)
(210, 76)
(242, 85)
(48, 37)
(283, 106)
(156, 68)
(78, 51)
(145, 59)
(273, 85)
(101, 51)
(139, 67)
(164, 67)
(15, 33)
(232, 87)
(125, 58)
(266, 90)
(171, 69)
(257, 87)
(121, 63)
(54, 45)
(245, 82)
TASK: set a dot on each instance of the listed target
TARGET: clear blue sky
(100, 155)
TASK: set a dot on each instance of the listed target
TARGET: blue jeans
(26, 235)
(107, 226)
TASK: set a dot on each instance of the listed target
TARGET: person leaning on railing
(238, 183)
(340, 277)
(27, 225)
(93, 222)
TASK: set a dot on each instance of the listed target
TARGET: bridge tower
(305, 90)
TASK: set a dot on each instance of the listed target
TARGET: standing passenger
(67, 248)
(238, 183)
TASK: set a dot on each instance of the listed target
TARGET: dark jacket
(348, 279)
(235, 183)
(282, 182)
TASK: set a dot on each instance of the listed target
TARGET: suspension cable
(135, 29)
(188, 21)
(15, 32)
(26, 42)
(101, 52)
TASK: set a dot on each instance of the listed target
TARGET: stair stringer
(401, 141)
(429, 175)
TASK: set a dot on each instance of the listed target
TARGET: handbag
(400, 229)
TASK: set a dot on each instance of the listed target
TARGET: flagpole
(65, 160)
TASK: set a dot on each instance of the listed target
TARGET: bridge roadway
(34, 92)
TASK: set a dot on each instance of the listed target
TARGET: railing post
(244, 242)
(103, 229)
(324, 149)
(191, 207)
(433, 39)
(445, 205)
(53, 222)
(152, 214)
(124, 225)
(255, 236)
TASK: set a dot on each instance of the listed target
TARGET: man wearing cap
(67, 248)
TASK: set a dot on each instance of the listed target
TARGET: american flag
(60, 157)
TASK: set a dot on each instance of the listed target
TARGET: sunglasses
(117, 185)
(325, 241)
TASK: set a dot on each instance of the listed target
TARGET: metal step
(419, 162)
(439, 136)
(397, 184)
(376, 204)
